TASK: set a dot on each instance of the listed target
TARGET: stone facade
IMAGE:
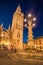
(17, 28)
(37, 44)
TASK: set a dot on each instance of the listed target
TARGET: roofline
(38, 37)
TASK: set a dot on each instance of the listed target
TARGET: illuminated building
(14, 35)
(17, 28)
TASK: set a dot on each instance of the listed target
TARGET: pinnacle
(18, 8)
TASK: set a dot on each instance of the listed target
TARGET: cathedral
(14, 36)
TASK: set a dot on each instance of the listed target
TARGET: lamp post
(30, 19)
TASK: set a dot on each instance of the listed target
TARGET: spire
(18, 8)
(2, 24)
(9, 27)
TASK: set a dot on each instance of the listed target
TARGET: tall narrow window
(18, 35)
(16, 25)
(39, 41)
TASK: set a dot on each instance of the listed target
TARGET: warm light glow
(25, 25)
(9, 48)
(33, 24)
(25, 20)
(29, 15)
(34, 19)
(5, 43)
(2, 34)
(35, 46)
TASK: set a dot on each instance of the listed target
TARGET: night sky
(8, 7)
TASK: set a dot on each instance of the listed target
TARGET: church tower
(17, 28)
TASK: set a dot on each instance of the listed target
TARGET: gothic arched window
(18, 35)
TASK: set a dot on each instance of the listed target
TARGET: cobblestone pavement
(8, 59)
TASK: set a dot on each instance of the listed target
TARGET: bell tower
(17, 28)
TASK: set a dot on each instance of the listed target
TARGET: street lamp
(31, 19)
(31, 23)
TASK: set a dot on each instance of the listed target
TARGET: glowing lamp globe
(33, 24)
(25, 20)
(25, 25)
(34, 19)
(29, 15)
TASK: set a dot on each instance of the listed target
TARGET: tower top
(18, 9)
(2, 24)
